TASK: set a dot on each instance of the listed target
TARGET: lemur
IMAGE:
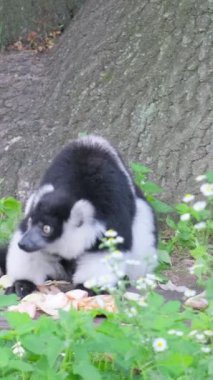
(85, 191)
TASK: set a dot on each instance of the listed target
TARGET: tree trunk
(137, 72)
(19, 17)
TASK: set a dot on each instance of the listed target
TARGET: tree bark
(137, 72)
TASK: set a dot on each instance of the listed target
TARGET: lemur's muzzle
(32, 240)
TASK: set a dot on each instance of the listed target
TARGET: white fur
(34, 266)
(143, 247)
(91, 267)
(76, 239)
(36, 197)
(104, 144)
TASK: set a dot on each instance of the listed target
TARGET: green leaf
(170, 222)
(139, 168)
(21, 322)
(21, 366)
(210, 176)
(210, 366)
(4, 357)
(8, 300)
(161, 207)
(45, 344)
(164, 257)
(42, 371)
(210, 289)
(11, 204)
(176, 362)
(171, 307)
(82, 365)
(182, 208)
(151, 188)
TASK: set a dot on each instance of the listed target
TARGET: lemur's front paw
(21, 287)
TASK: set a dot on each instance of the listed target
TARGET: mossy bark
(19, 17)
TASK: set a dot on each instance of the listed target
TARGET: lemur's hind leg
(21, 287)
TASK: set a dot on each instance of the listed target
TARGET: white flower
(201, 337)
(117, 255)
(108, 288)
(200, 178)
(152, 276)
(200, 226)
(199, 206)
(207, 189)
(208, 332)
(172, 332)
(189, 293)
(18, 349)
(150, 283)
(206, 349)
(110, 233)
(193, 332)
(132, 312)
(119, 240)
(185, 217)
(142, 303)
(159, 344)
(141, 286)
(119, 273)
(175, 332)
(133, 262)
(188, 198)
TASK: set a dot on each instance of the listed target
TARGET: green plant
(141, 341)
(149, 188)
(147, 339)
(194, 229)
(10, 212)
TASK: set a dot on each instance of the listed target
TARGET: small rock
(198, 302)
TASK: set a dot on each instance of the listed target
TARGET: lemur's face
(44, 223)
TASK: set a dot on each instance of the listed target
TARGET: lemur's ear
(82, 212)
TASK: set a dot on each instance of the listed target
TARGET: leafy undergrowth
(148, 338)
(156, 340)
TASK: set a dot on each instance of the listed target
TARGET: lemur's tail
(3, 254)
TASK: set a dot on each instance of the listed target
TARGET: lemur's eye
(29, 223)
(47, 229)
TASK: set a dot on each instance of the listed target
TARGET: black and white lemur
(85, 191)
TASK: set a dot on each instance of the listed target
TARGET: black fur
(3, 254)
(82, 172)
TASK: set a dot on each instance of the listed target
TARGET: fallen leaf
(24, 307)
(172, 287)
(76, 294)
(104, 301)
